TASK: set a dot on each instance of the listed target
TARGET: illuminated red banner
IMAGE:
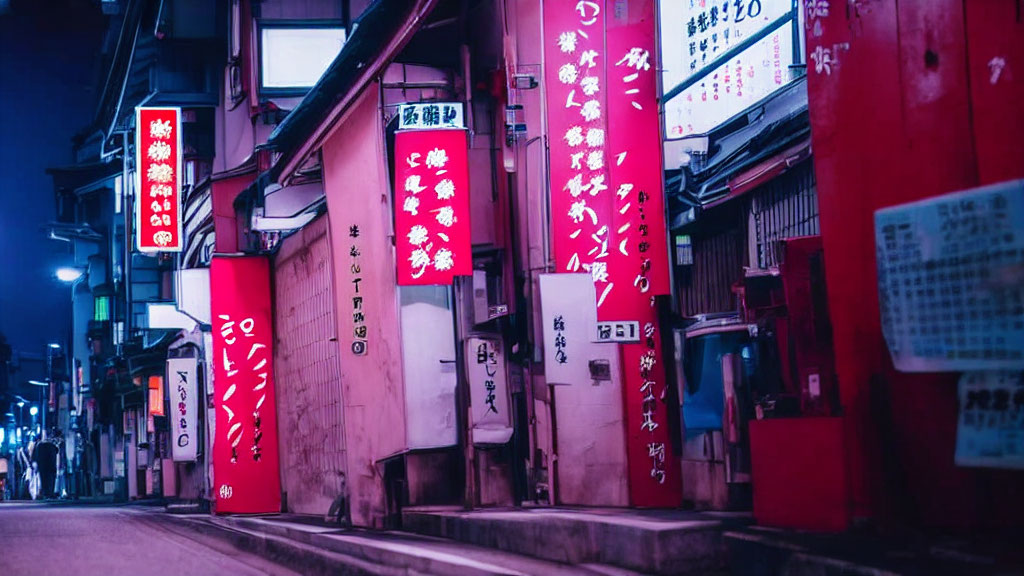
(581, 198)
(158, 179)
(634, 139)
(432, 206)
(245, 455)
(607, 203)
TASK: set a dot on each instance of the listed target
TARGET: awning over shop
(755, 146)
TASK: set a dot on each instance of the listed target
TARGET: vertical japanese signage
(432, 206)
(158, 179)
(825, 56)
(181, 384)
(359, 329)
(488, 391)
(607, 205)
(245, 452)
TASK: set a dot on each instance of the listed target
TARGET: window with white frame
(293, 56)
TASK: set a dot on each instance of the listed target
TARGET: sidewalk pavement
(757, 550)
(451, 541)
(309, 548)
(107, 501)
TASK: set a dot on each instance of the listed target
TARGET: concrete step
(649, 542)
(758, 551)
(312, 549)
(186, 508)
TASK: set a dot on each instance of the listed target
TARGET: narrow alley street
(44, 540)
(512, 287)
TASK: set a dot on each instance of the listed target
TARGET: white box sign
(184, 410)
(430, 115)
(488, 390)
(628, 331)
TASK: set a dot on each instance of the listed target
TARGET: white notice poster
(990, 432)
(488, 390)
(181, 386)
(569, 312)
(950, 284)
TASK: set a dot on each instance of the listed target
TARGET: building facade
(466, 253)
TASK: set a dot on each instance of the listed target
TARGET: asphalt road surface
(65, 540)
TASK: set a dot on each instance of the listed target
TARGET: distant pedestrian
(45, 457)
(31, 474)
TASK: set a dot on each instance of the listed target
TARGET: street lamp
(42, 399)
(54, 345)
(33, 411)
(69, 274)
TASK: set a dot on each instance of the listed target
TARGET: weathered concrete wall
(357, 189)
(308, 372)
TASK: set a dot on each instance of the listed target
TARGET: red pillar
(900, 111)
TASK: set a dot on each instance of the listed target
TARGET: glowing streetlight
(54, 345)
(33, 411)
(38, 383)
(68, 274)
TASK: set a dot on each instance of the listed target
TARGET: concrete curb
(683, 547)
(311, 549)
(297, 556)
(398, 551)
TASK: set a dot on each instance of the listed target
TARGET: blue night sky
(48, 69)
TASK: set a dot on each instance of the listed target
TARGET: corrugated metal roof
(773, 126)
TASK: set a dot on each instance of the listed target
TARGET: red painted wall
(904, 106)
(225, 225)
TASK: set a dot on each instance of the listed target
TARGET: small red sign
(245, 453)
(158, 179)
(432, 206)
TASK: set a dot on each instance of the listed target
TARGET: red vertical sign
(608, 215)
(245, 455)
(158, 179)
(575, 84)
(432, 206)
(634, 141)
